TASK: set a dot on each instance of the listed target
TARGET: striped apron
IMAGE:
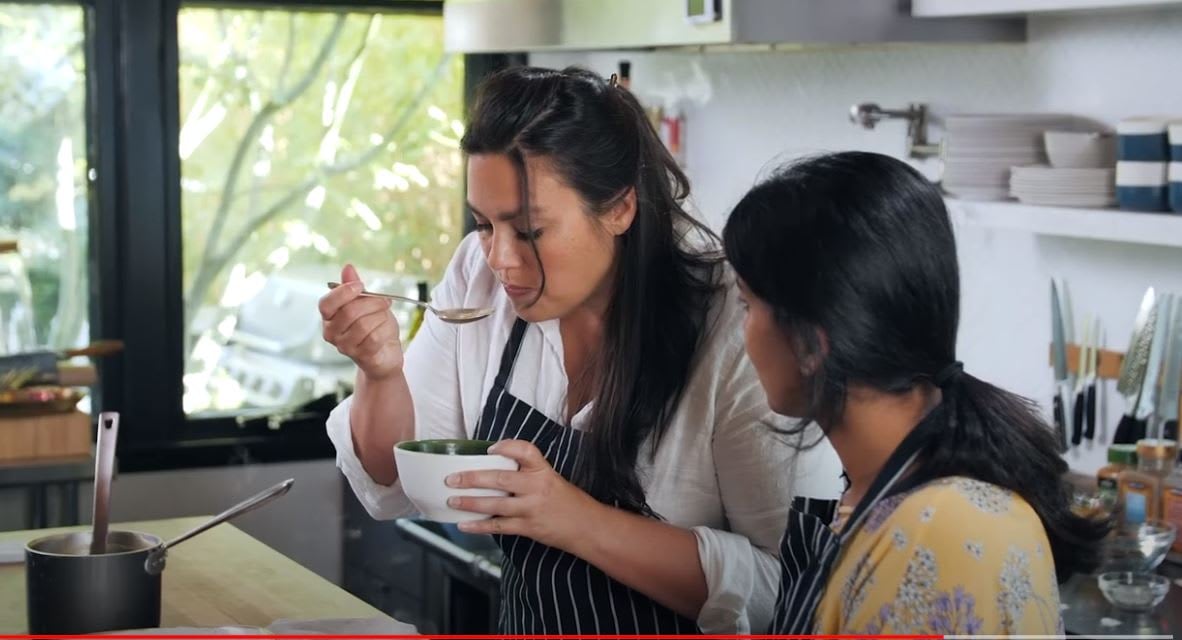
(810, 548)
(546, 590)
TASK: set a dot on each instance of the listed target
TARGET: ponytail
(1000, 438)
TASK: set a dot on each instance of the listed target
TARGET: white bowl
(1080, 150)
(423, 467)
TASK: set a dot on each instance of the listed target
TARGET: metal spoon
(104, 468)
(454, 316)
(154, 564)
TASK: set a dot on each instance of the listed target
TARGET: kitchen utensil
(1147, 403)
(104, 467)
(1171, 385)
(1078, 413)
(42, 367)
(1132, 368)
(1133, 591)
(454, 316)
(1059, 360)
(1093, 363)
(71, 591)
(154, 564)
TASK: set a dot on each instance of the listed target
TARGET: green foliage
(316, 138)
(42, 104)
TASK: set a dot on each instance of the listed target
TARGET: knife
(1078, 413)
(1132, 368)
(1059, 360)
(1090, 384)
(1147, 404)
(1171, 386)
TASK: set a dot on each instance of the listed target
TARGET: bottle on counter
(1141, 488)
(1121, 457)
(1171, 508)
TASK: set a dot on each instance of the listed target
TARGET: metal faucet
(869, 114)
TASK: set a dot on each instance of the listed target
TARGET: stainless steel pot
(71, 592)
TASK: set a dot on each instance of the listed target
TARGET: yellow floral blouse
(953, 556)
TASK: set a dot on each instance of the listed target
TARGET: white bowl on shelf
(1080, 149)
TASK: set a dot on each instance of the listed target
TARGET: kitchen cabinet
(385, 568)
(379, 565)
(962, 8)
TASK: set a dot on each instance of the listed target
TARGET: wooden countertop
(222, 577)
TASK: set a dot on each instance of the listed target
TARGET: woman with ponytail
(956, 515)
(650, 498)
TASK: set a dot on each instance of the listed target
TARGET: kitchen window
(242, 153)
(307, 139)
(43, 178)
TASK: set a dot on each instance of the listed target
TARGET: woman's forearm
(382, 415)
(657, 559)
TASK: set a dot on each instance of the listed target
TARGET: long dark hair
(858, 246)
(597, 137)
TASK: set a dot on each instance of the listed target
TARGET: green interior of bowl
(448, 447)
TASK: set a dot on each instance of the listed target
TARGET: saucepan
(102, 580)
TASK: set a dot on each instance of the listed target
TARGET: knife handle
(1060, 423)
(1090, 409)
(1125, 430)
(1077, 417)
(1138, 430)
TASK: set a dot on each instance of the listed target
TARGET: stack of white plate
(978, 150)
(1044, 185)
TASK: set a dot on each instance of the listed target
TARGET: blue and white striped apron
(546, 590)
(810, 548)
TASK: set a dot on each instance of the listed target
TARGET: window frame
(132, 78)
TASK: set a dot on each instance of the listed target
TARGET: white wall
(745, 109)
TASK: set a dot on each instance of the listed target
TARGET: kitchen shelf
(1113, 225)
(954, 8)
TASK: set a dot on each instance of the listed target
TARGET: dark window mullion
(147, 237)
(102, 118)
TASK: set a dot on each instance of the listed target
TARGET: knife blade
(1132, 368)
(1171, 385)
(1059, 360)
(1147, 404)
